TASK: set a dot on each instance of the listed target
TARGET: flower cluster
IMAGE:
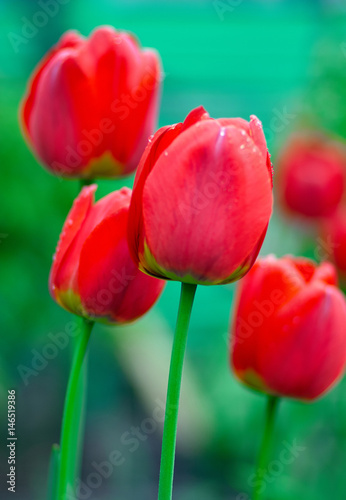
(198, 213)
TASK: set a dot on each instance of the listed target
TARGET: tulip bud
(93, 274)
(91, 104)
(202, 200)
(288, 332)
(311, 173)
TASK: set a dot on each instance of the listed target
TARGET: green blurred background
(284, 61)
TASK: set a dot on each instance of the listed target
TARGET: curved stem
(263, 457)
(68, 441)
(173, 392)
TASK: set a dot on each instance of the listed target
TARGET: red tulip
(288, 334)
(92, 103)
(93, 274)
(202, 200)
(311, 175)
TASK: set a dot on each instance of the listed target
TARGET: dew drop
(165, 153)
(222, 132)
(242, 146)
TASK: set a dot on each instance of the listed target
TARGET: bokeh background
(284, 61)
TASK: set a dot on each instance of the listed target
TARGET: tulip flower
(93, 274)
(311, 170)
(202, 200)
(91, 104)
(201, 204)
(288, 334)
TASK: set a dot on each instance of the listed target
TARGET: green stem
(173, 392)
(68, 456)
(264, 454)
(78, 422)
(53, 472)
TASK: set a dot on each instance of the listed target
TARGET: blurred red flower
(288, 332)
(311, 174)
(91, 104)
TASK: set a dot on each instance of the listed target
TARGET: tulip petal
(74, 222)
(157, 144)
(68, 40)
(303, 359)
(111, 286)
(64, 88)
(269, 285)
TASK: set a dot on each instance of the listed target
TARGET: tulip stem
(263, 457)
(173, 392)
(69, 431)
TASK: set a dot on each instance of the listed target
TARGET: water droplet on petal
(165, 153)
(242, 146)
(222, 131)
